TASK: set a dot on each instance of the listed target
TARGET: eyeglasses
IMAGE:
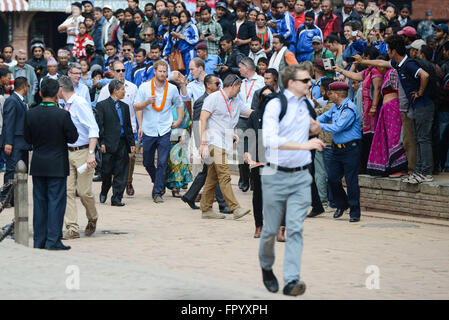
(217, 83)
(305, 80)
(76, 73)
(120, 70)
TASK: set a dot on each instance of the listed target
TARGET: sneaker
(91, 227)
(158, 199)
(240, 212)
(212, 215)
(426, 178)
(71, 235)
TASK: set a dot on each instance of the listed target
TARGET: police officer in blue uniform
(343, 158)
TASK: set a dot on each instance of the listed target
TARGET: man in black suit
(49, 165)
(116, 141)
(212, 84)
(14, 144)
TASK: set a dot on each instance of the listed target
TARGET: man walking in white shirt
(286, 179)
(82, 156)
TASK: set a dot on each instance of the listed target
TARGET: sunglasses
(305, 80)
(120, 70)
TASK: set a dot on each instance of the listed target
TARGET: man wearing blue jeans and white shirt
(414, 80)
(286, 179)
(154, 115)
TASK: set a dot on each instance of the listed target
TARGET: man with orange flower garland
(153, 108)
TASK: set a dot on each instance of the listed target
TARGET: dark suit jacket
(50, 153)
(14, 112)
(109, 125)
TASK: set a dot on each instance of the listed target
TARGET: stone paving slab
(166, 251)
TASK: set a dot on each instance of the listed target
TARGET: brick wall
(440, 9)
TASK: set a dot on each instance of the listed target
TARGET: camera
(350, 59)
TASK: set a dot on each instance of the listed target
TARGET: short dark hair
(281, 39)
(256, 39)
(372, 52)
(205, 8)
(49, 88)
(140, 13)
(98, 9)
(187, 13)
(263, 60)
(97, 72)
(325, 82)
(165, 13)
(332, 38)
(140, 50)
(88, 16)
(209, 77)
(396, 42)
(155, 46)
(289, 73)
(149, 4)
(227, 37)
(427, 52)
(128, 43)
(110, 44)
(115, 85)
(20, 82)
(243, 6)
(4, 72)
(119, 11)
(273, 72)
(7, 46)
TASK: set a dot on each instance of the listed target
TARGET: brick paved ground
(168, 252)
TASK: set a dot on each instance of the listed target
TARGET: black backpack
(433, 89)
(280, 95)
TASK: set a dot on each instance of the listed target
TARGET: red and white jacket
(79, 48)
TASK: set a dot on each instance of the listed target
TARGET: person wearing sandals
(414, 80)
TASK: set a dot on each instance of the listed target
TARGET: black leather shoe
(295, 288)
(270, 281)
(102, 198)
(338, 213)
(59, 247)
(314, 214)
(240, 184)
(190, 203)
(225, 210)
(354, 219)
(245, 187)
(117, 204)
(97, 179)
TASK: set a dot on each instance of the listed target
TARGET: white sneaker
(240, 212)
(212, 215)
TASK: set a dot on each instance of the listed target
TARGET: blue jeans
(344, 162)
(162, 145)
(284, 194)
(422, 126)
(443, 118)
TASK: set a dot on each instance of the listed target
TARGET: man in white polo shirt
(219, 117)
(155, 99)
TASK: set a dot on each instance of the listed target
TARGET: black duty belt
(349, 144)
(285, 169)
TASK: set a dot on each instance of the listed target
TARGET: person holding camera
(209, 30)
(230, 57)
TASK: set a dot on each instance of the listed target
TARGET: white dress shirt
(195, 89)
(294, 127)
(222, 121)
(249, 87)
(130, 96)
(83, 91)
(158, 123)
(83, 119)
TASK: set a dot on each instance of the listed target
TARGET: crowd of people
(360, 86)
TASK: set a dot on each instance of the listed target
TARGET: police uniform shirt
(345, 126)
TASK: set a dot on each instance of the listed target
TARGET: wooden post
(21, 204)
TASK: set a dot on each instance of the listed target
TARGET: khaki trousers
(408, 140)
(83, 184)
(132, 162)
(218, 172)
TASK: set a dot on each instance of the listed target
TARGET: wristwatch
(91, 152)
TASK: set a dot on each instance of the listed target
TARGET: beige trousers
(83, 184)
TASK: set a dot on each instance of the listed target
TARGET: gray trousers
(320, 176)
(285, 194)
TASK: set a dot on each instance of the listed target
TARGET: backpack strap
(284, 104)
(311, 109)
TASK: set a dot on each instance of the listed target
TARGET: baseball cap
(441, 26)
(408, 31)
(107, 7)
(89, 1)
(221, 5)
(317, 39)
(89, 43)
(349, 2)
(428, 12)
(417, 44)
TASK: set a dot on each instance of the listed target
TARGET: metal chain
(8, 195)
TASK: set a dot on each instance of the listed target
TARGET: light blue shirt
(195, 89)
(157, 123)
(83, 91)
(83, 119)
(345, 126)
